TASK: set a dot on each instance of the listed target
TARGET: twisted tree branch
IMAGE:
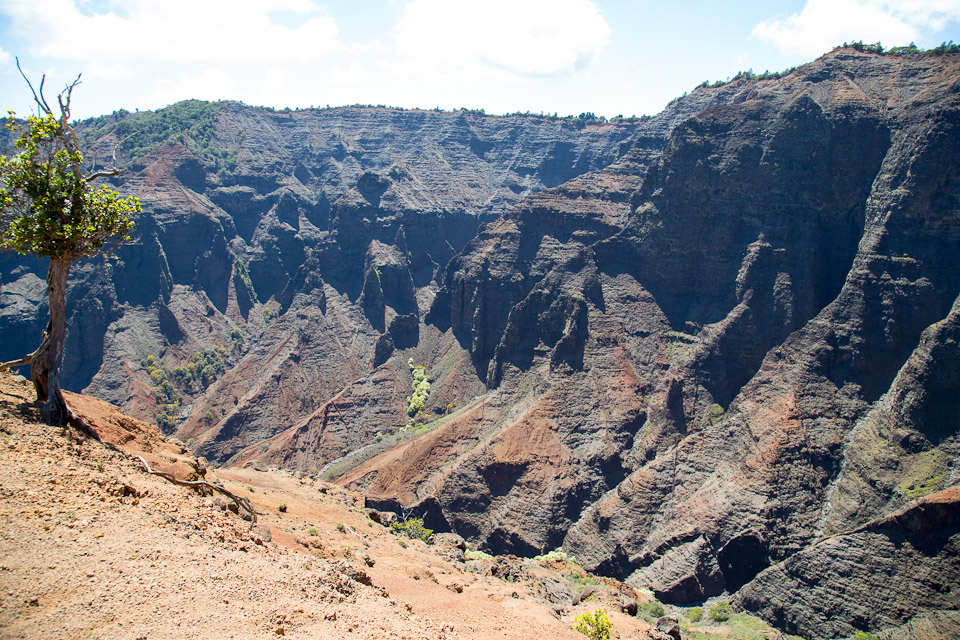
(241, 502)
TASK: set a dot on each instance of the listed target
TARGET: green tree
(412, 528)
(421, 389)
(49, 209)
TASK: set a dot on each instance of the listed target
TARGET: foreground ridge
(92, 544)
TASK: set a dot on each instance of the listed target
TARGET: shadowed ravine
(704, 352)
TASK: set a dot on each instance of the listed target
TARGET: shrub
(420, 387)
(655, 609)
(282, 508)
(555, 556)
(595, 626)
(865, 635)
(476, 554)
(412, 528)
(341, 527)
(720, 612)
(168, 400)
(715, 414)
(236, 339)
(695, 614)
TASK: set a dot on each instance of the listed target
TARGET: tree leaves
(49, 210)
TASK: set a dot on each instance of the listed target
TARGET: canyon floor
(93, 546)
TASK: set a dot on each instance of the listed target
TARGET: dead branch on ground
(241, 502)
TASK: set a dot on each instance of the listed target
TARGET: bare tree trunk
(46, 360)
(37, 360)
(50, 355)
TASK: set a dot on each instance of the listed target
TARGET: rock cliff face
(886, 571)
(320, 240)
(762, 354)
(685, 349)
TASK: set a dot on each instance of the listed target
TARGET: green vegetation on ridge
(200, 371)
(946, 47)
(191, 122)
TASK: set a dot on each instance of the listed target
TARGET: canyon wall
(688, 349)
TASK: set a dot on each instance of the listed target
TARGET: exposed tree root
(241, 502)
(75, 420)
(61, 413)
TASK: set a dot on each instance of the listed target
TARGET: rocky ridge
(683, 349)
(715, 381)
(887, 570)
(94, 546)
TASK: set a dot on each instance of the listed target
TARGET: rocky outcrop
(877, 577)
(758, 447)
(687, 400)
(684, 349)
(320, 236)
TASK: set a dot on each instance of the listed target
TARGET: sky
(607, 57)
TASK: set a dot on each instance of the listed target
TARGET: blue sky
(564, 56)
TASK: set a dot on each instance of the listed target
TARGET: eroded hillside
(684, 349)
(91, 545)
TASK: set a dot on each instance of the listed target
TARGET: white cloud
(211, 84)
(276, 81)
(4, 56)
(824, 24)
(111, 71)
(211, 31)
(520, 37)
(353, 74)
(931, 15)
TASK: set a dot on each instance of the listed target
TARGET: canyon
(706, 352)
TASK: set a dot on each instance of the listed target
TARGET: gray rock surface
(877, 577)
(684, 349)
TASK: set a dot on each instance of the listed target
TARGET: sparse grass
(578, 575)
(926, 472)
(583, 579)
(385, 442)
(739, 626)
(720, 612)
(652, 610)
